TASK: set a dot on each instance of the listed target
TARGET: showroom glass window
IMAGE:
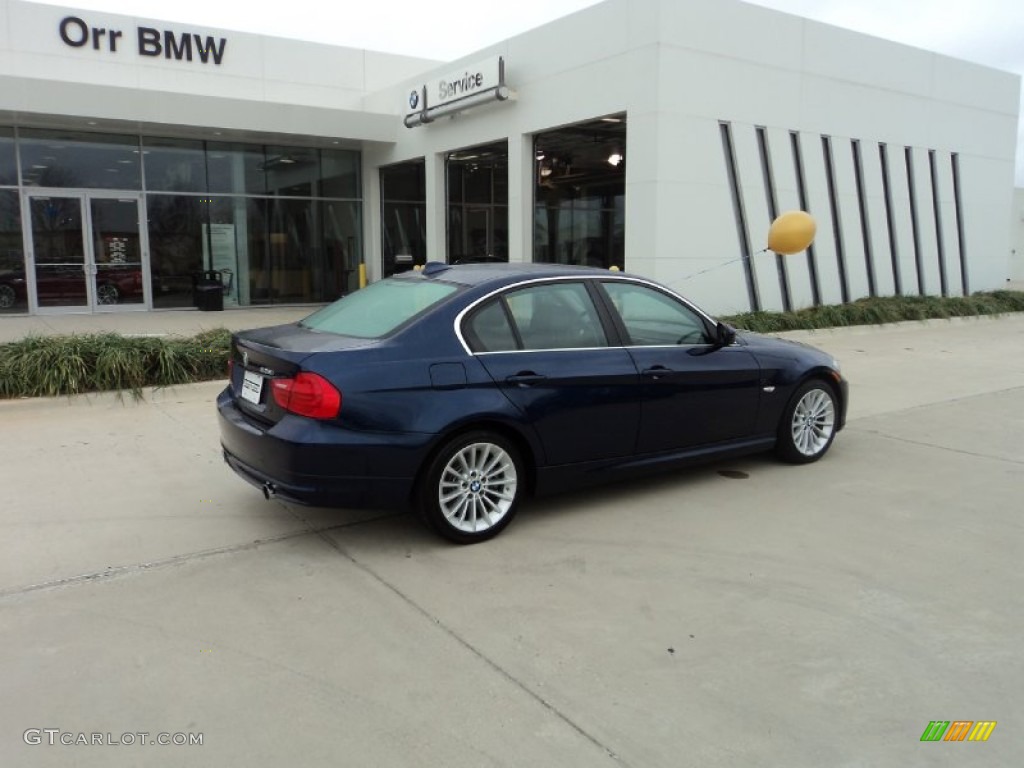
(13, 297)
(74, 160)
(8, 161)
(175, 165)
(580, 193)
(279, 224)
(403, 215)
(238, 169)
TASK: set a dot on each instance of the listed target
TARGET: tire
(7, 297)
(808, 424)
(107, 293)
(471, 490)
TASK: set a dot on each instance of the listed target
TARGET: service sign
(458, 84)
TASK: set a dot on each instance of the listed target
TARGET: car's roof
(480, 274)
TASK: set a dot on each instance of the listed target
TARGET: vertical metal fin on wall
(865, 224)
(890, 219)
(915, 227)
(837, 222)
(741, 216)
(940, 245)
(958, 201)
(773, 212)
(841, 189)
(801, 188)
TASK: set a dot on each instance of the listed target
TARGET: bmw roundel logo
(414, 99)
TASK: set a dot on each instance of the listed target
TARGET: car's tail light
(308, 394)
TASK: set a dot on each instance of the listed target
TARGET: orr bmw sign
(460, 89)
(186, 46)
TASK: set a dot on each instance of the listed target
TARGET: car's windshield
(380, 308)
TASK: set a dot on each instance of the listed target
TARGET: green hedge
(889, 309)
(46, 366)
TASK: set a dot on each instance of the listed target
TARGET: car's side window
(653, 318)
(488, 329)
(556, 316)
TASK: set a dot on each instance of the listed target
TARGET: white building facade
(138, 158)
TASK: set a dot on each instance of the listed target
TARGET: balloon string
(745, 257)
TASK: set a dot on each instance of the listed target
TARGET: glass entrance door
(87, 252)
(116, 279)
(58, 251)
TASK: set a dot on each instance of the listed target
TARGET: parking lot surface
(746, 613)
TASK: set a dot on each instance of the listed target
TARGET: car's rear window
(380, 308)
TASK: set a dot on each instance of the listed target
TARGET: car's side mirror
(725, 335)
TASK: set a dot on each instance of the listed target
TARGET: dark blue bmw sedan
(458, 390)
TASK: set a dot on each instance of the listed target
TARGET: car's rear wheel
(7, 297)
(472, 488)
(808, 424)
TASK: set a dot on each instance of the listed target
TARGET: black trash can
(209, 291)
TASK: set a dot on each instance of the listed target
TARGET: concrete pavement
(771, 615)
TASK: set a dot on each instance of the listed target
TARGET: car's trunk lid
(259, 356)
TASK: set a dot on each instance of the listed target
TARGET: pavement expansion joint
(178, 560)
(936, 446)
(549, 706)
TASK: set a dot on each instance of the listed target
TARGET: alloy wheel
(477, 487)
(813, 422)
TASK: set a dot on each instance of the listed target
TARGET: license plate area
(252, 387)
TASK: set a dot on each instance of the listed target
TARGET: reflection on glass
(59, 251)
(403, 192)
(343, 249)
(309, 251)
(85, 160)
(13, 290)
(175, 247)
(292, 171)
(339, 173)
(579, 213)
(8, 165)
(236, 168)
(174, 165)
(234, 232)
(117, 278)
(478, 204)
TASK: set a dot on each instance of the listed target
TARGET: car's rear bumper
(354, 492)
(308, 462)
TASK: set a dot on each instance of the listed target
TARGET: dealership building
(141, 158)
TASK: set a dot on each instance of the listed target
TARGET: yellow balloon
(791, 233)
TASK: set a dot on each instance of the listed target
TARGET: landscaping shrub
(46, 366)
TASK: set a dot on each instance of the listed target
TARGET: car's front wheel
(808, 424)
(472, 487)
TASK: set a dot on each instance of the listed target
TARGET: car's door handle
(525, 379)
(656, 372)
